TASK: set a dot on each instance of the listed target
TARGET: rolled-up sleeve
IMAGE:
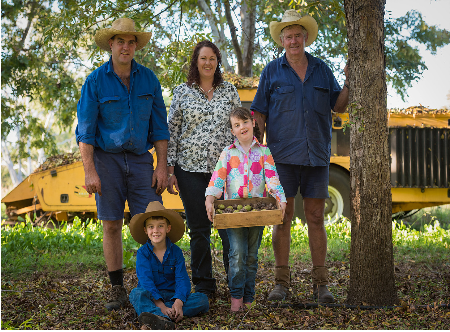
(261, 101)
(158, 129)
(87, 113)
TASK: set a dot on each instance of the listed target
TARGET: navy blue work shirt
(170, 275)
(298, 114)
(114, 119)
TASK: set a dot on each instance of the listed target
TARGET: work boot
(118, 297)
(282, 282)
(155, 322)
(321, 293)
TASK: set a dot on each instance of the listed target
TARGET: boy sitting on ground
(163, 294)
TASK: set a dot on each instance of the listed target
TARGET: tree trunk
(248, 19)
(219, 35)
(7, 159)
(371, 256)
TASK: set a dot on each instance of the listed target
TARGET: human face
(293, 40)
(242, 129)
(123, 48)
(206, 63)
(156, 230)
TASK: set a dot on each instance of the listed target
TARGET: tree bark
(248, 19)
(372, 279)
(219, 35)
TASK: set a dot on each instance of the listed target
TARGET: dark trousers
(192, 192)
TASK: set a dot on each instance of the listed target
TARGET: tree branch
(234, 39)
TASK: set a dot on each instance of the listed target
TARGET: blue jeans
(141, 299)
(192, 192)
(244, 245)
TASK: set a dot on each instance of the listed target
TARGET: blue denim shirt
(170, 275)
(114, 119)
(298, 114)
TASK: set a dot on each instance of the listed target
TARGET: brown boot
(282, 282)
(117, 298)
(321, 293)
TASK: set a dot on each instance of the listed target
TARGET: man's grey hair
(290, 27)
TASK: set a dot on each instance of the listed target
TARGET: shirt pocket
(284, 98)
(169, 269)
(322, 100)
(110, 111)
(144, 106)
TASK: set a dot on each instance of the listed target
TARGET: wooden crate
(246, 219)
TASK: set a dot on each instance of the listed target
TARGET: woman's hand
(209, 203)
(173, 182)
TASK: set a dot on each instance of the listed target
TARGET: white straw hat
(121, 26)
(292, 17)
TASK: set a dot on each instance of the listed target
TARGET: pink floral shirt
(245, 174)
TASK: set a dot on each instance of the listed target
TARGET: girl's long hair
(194, 75)
(243, 113)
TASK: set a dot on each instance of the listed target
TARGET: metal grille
(420, 157)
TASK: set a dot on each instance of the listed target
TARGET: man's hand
(92, 182)
(209, 204)
(176, 314)
(159, 179)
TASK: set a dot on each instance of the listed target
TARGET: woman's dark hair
(245, 114)
(194, 75)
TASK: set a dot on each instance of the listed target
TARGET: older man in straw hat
(295, 97)
(121, 115)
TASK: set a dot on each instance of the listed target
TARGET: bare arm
(342, 101)
(91, 178)
(261, 121)
(160, 173)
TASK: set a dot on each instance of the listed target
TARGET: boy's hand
(176, 314)
(209, 203)
(160, 304)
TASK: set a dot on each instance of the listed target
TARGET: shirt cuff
(213, 191)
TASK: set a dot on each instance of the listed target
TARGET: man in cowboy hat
(163, 294)
(121, 115)
(295, 97)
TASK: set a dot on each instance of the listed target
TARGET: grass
(56, 279)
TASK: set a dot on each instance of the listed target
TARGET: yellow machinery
(420, 172)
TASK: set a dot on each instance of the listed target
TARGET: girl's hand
(282, 207)
(209, 204)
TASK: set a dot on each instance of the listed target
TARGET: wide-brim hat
(156, 209)
(292, 17)
(121, 26)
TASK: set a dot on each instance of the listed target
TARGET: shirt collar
(236, 143)
(312, 61)
(110, 68)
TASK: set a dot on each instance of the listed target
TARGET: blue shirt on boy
(114, 119)
(170, 275)
(298, 114)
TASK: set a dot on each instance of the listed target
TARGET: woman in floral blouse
(199, 130)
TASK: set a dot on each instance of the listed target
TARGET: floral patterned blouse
(199, 129)
(245, 174)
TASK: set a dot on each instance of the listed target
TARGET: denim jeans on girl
(244, 245)
(141, 300)
(192, 192)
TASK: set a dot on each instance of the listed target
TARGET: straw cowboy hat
(156, 209)
(292, 17)
(121, 26)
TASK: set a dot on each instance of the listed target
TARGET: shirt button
(131, 143)
(131, 128)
